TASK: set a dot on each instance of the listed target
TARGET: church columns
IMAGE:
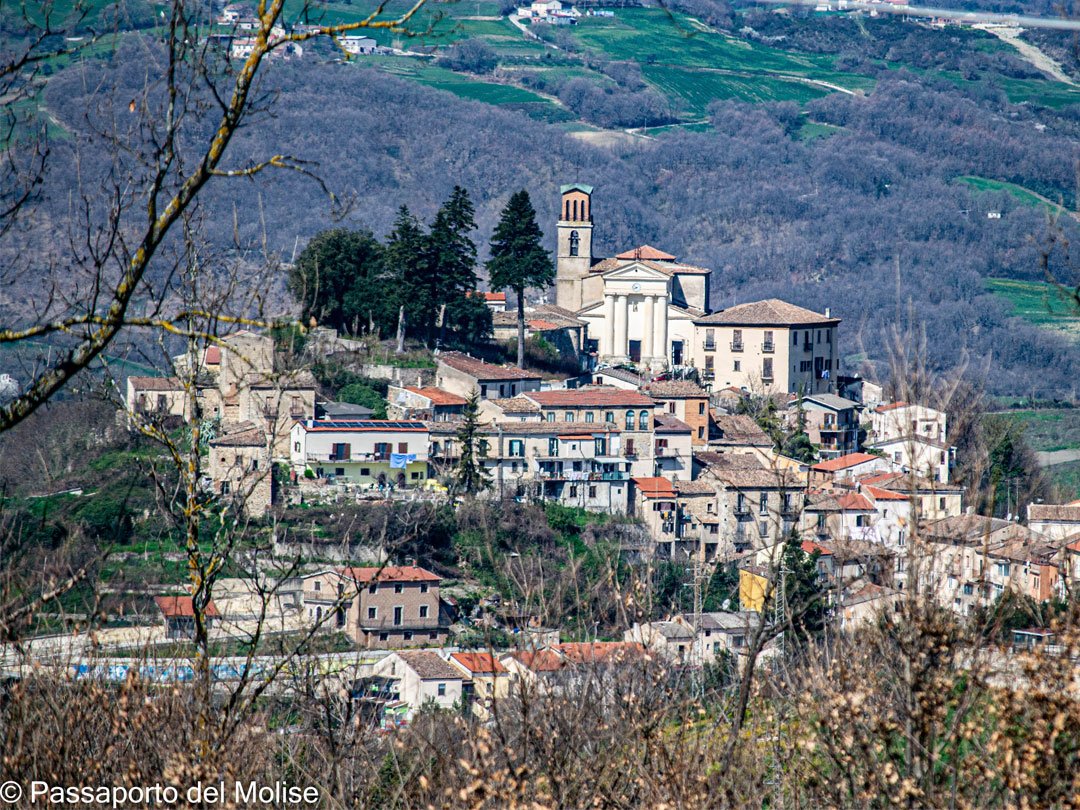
(609, 324)
(659, 328)
(622, 307)
(647, 333)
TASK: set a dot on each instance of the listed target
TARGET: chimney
(828, 312)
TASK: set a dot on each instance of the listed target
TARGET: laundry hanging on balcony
(399, 461)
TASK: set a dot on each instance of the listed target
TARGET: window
(398, 587)
(433, 636)
(573, 490)
(969, 589)
(643, 419)
(736, 340)
(701, 409)
(896, 456)
(767, 344)
(629, 420)
(373, 587)
(630, 447)
(398, 614)
(710, 363)
(671, 407)
(862, 521)
(341, 450)
(941, 504)
(296, 446)
(592, 491)
(738, 365)
(226, 488)
(384, 637)
(589, 416)
(406, 636)
(575, 242)
(553, 446)
(740, 503)
(339, 472)
(1003, 569)
(609, 416)
(517, 447)
(423, 587)
(701, 432)
(423, 611)
(785, 502)
(373, 613)
(568, 416)
(738, 642)
(599, 447)
(442, 690)
(821, 521)
(794, 338)
(365, 471)
(766, 369)
(403, 447)
(763, 528)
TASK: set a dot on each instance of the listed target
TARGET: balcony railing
(359, 457)
(736, 345)
(742, 512)
(768, 346)
(430, 625)
(708, 345)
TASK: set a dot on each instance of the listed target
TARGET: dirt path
(1011, 35)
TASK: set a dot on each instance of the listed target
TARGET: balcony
(767, 377)
(376, 625)
(708, 345)
(359, 458)
(808, 346)
(768, 347)
(742, 512)
(736, 345)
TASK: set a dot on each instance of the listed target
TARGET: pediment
(635, 271)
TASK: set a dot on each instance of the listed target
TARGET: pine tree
(450, 269)
(518, 259)
(406, 265)
(471, 477)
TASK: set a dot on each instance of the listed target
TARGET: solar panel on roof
(368, 425)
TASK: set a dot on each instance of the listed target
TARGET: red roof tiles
(391, 573)
(654, 487)
(174, 607)
(844, 462)
(437, 395)
(647, 252)
(600, 396)
(477, 368)
(479, 663)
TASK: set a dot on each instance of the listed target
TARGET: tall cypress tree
(451, 268)
(406, 260)
(470, 477)
(518, 259)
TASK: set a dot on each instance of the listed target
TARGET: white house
(921, 454)
(896, 419)
(373, 453)
(422, 678)
(356, 45)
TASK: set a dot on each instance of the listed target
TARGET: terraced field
(1040, 303)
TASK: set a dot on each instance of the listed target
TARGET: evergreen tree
(805, 597)
(471, 477)
(406, 256)
(338, 280)
(449, 273)
(518, 259)
(797, 443)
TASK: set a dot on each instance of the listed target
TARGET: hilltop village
(719, 436)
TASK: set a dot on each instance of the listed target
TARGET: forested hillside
(871, 200)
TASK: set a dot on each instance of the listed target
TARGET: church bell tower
(574, 257)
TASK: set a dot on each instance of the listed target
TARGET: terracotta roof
(600, 652)
(654, 487)
(668, 268)
(494, 296)
(740, 429)
(155, 383)
(854, 502)
(429, 666)
(539, 660)
(676, 389)
(244, 434)
(479, 663)
(590, 396)
(540, 325)
(883, 494)
(1051, 511)
(911, 439)
(558, 315)
(745, 471)
(212, 357)
(646, 252)
(437, 395)
(890, 407)
(518, 404)
(666, 423)
(770, 312)
(477, 368)
(809, 547)
(390, 573)
(174, 607)
(694, 487)
(844, 462)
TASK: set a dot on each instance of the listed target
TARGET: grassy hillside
(1040, 303)
(1050, 429)
(1024, 195)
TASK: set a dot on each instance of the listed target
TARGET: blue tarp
(399, 460)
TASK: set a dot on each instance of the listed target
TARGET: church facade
(640, 305)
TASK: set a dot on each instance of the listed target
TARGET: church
(640, 305)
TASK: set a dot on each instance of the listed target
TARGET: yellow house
(754, 588)
(490, 679)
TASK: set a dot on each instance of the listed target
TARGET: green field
(812, 130)
(697, 87)
(1040, 303)
(1050, 429)
(1024, 195)
(1065, 478)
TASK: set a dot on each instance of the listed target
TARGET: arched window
(575, 240)
(575, 211)
(629, 420)
(566, 211)
(643, 420)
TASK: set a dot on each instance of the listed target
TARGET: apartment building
(768, 347)
(686, 401)
(895, 420)
(372, 453)
(392, 606)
